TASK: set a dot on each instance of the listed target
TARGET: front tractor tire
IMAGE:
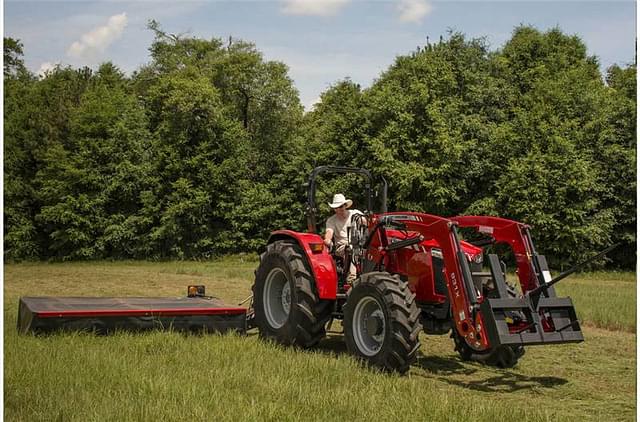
(503, 356)
(287, 308)
(382, 322)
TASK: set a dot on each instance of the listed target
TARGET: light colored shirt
(340, 226)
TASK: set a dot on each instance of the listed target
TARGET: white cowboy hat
(339, 200)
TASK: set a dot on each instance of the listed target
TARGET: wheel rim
(277, 298)
(369, 327)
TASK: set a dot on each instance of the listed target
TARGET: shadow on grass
(333, 345)
(500, 381)
(451, 369)
(507, 382)
(443, 365)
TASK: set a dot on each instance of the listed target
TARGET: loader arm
(531, 272)
(465, 301)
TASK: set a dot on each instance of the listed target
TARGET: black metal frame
(559, 311)
(311, 209)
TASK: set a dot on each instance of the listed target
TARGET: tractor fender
(322, 264)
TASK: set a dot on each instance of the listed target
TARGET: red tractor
(415, 272)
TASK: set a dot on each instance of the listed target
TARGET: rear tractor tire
(382, 322)
(287, 307)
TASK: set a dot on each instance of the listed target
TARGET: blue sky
(321, 41)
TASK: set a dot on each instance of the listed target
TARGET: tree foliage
(203, 150)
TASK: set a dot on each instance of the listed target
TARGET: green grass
(602, 299)
(170, 376)
(605, 300)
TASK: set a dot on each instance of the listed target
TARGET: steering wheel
(358, 236)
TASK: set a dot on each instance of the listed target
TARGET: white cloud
(45, 68)
(313, 7)
(313, 104)
(413, 10)
(96, 41)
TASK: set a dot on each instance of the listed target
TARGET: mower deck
(107, 314)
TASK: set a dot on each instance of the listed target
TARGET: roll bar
(311, 209)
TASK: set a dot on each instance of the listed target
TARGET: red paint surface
(322, 264)
(141, 312)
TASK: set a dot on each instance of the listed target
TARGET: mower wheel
(502, 356)
(287, 308)
(382, 322)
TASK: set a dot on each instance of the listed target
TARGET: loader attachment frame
(539, 316)
(486, 323)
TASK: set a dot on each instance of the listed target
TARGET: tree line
(203, 151)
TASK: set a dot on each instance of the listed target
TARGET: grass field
(170, 376)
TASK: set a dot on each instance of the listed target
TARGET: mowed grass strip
(170, 376)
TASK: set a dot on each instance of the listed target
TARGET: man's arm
(328, 237)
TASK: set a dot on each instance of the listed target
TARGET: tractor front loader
(415, 273)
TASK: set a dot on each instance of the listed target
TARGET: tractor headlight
(478, 259)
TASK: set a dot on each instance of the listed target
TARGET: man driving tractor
(337, 229)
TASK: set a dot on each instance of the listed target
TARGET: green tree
(558, 122)
(198, 162)
(614, 151)
(89, 187)
(36, 117)
(19, 230)
(203, 150)
(334, 129)
(424, 126)
(13, 63)
(251, 112)
(528, 132)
